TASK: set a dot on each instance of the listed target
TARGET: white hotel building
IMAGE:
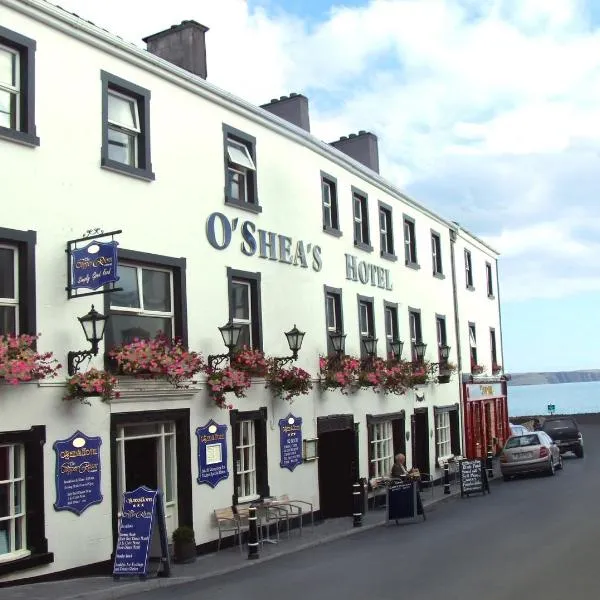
(138, 141)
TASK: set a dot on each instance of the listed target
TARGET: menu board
(212, 453)
(78, 471)
(142, 512)
(404, 501)
(290, 442)
(473, 478)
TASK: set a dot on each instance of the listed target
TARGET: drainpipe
(453, 233)
(505, 383)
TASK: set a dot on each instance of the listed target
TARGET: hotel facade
(223, 212)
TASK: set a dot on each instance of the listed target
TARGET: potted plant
(223, 381)
(158, 358)
(288, 382)
(91, 383)
(184, 545)
(20, 361)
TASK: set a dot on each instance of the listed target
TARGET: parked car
(518, 429)
(565, 432)
(529, 453)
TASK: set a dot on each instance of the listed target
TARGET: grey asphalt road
(536, 538)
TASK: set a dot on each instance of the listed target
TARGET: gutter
(74, 26)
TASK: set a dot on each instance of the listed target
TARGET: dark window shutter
(262, 469)
(398, 436)
(437, 436)
(235, 441)
(455, 433)
(370, 449)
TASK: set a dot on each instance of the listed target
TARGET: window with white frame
(473, 344)
(124, 129)
(436, 253)
(333, 315)
(239, 170)
(381, 451)
(410, 242)
(10, 88)
(414, 320)
(9, 290)
(361, 220)
(13, 538)
(144, 307)
(245, 462)
(366, 322)
(330, 204)
(241, 306)
(386, 231)
(468, 269)
(442, 430)
(489, 280)
(391, 325)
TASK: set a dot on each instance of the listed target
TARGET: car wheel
(579, 452)
(551, 467)
(560, 462)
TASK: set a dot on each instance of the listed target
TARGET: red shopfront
(485, 418)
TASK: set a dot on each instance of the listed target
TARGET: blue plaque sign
(290, 438)
(212, 453)
(94, 265)
(78, 473)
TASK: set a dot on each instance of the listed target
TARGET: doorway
(146, 455)
(337, 468)
(420, 440)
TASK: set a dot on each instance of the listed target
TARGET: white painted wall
(60, 191)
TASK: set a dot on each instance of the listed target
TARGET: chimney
(362, 147)
(183, 45)
(292, 108)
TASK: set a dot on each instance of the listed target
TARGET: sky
(487, 111)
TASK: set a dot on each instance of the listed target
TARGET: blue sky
(488, 111)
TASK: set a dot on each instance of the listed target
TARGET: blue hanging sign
(212, 453)
(94, 265)
(290, 441)
(142, 511)
(78, 471)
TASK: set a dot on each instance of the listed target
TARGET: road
(536, 538)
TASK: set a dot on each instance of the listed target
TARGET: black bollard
(252, 534)
(357, 505)
(490, 466)
(446, 478)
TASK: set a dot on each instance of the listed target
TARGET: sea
(568, 398)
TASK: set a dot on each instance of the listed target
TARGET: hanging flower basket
(227, 380)
(398, 377)
(339, 373)
(373, 374)
(91, 383)
(19, 361)
(158, 358)
(250, 361)
(287, 383)
(423, 373)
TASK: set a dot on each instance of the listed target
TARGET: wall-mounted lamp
(295, 337)
(230, 332)
(93, 325)
(420, 348)
(338, 341)
(370, 346)
(396, 346)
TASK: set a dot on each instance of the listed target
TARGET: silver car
(529, 453)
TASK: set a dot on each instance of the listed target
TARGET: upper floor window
(333, 314)
(416, 335)
(493, 348)
(9, 290)
(391, 325)
(244, 306)
(410, 242)
(13, 540)
(331, 221)
(366, 321)
(361, 220)
(240, 169)
(436, 254)
(442, 340)
(125, 127)
(473, 344)
(17, 88)
(386, 231)
(468, 269)
(489, 280)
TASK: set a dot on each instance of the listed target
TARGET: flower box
(20, 361)
(91, 383)
(287, 383)
(250, 361)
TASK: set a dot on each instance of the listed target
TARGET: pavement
(225, 562)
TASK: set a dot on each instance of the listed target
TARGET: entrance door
(337, 472)
(146, 455)
(420, 440)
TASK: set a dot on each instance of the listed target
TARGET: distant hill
(554, 377)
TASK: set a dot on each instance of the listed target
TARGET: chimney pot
(183, 45)
(362, 132)
(292, 108)
(352, 135)
(293, 95)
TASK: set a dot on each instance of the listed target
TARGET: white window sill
(4, 558)
(246, 499)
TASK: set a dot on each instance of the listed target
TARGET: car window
(545, 437)
(523, 440)
(559, 424)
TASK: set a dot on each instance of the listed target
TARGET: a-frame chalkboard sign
(142, 536)
(473, 477)
(403, 502)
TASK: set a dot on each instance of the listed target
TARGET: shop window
(447, 431)
(17, 282)
(245, 306)
(250, 468)
(385, 440)
(23, 542)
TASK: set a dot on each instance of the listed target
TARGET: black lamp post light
(444, 353)
(230, 332)
(338, 341)
(295, 337)
(93, 324)
(396, 346)
(420, 348)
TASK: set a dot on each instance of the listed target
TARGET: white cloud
(487, 110)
